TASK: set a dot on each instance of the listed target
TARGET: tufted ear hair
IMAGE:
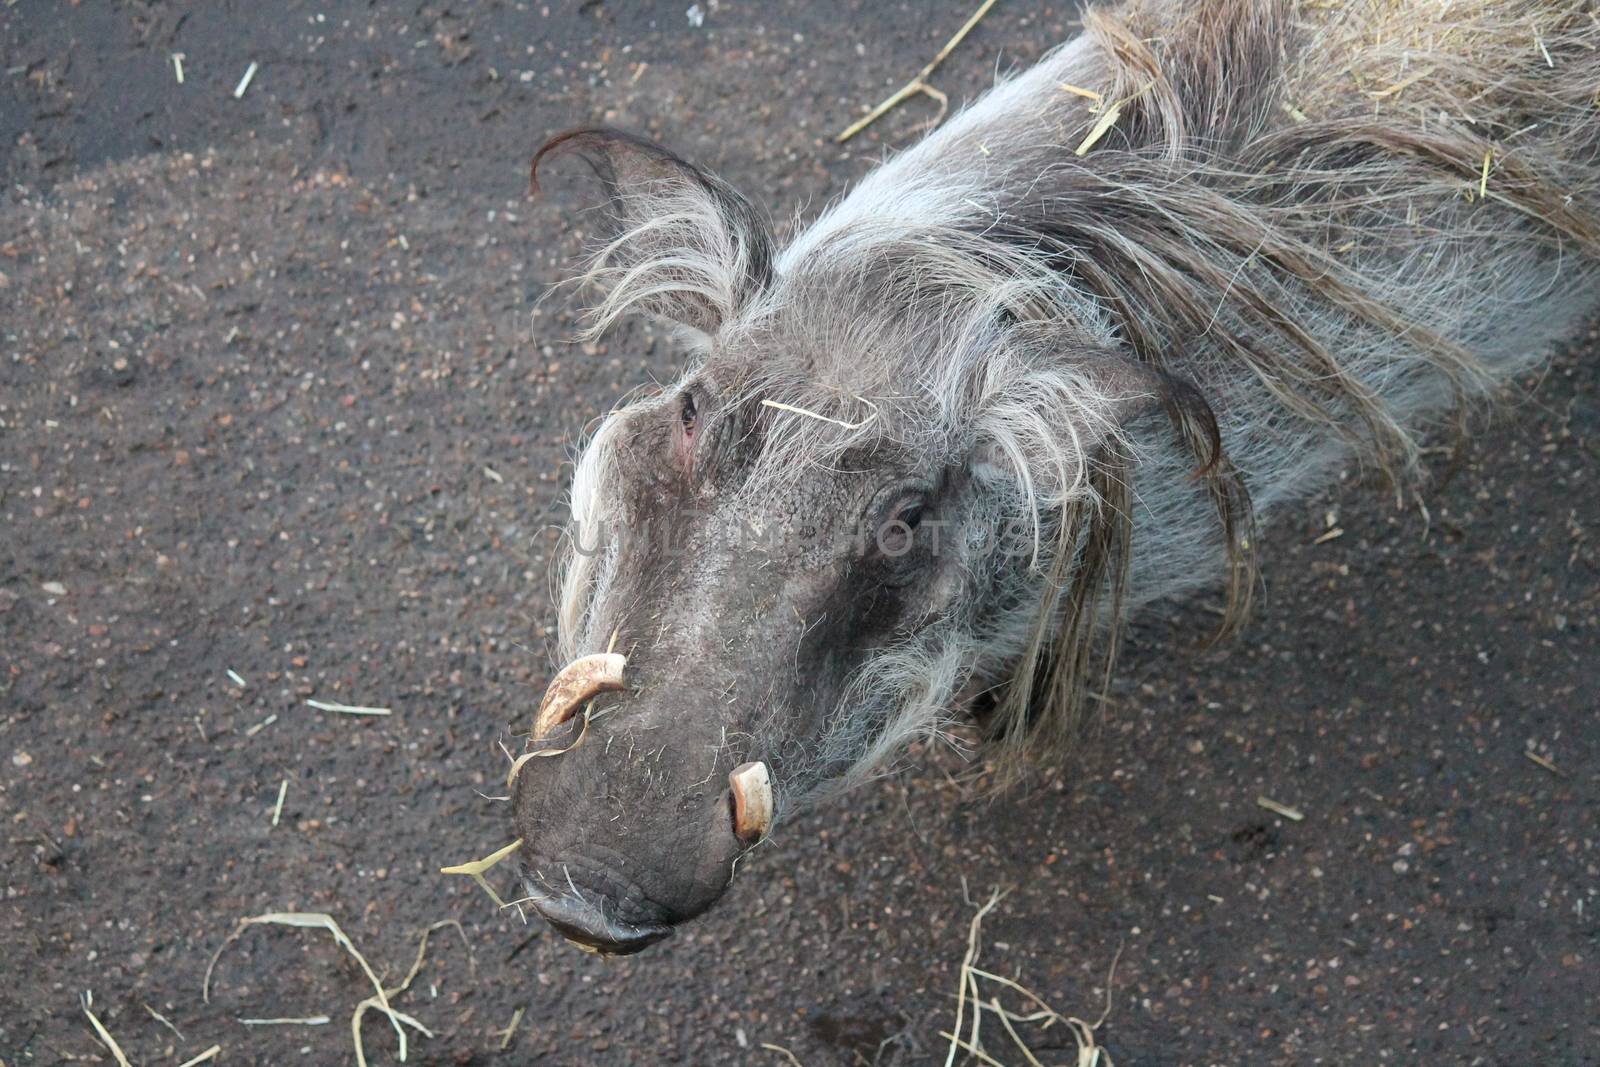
(683, 244)
(1088, 525)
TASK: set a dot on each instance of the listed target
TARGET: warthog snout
(610, 864)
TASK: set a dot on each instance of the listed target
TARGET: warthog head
(891, 483)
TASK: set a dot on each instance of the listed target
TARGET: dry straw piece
(348, 709)
(105, 1035)
(477, 868)
(825, 418)
(1090, 1053)
(317, 920)
(780, 1050)
(1543, 761)
(919, 84)
(511, 1029)
(379, 1001)
(244, 82)
(164, 1021)
(1292, 814)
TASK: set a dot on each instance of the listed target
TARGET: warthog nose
(588, 924)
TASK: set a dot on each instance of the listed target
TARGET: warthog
(1052, 362)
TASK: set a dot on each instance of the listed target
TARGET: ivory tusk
(583, 678)
(751, 786)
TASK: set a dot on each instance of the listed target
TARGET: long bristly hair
(1171, 276)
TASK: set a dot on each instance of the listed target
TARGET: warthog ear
(684, 245)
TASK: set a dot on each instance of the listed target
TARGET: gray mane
(1308, 233)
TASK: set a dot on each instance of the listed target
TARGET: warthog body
(1046, 365)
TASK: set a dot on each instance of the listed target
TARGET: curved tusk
(580, 680)
(751, 786)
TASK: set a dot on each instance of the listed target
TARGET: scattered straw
(966, 976)
(1090, 1054)
(244, 82)
(405, 984)
(780, 1050)
(293, 1020)
(237, 679)
(494, 476)
(208, 1054)
(1483, 180)
(511, 1029)
(1100, 129)
(177, 66)
(1087, 94)
(163, 1020)
(317, 920)
(277, 809)
(348, 709)
(87, 1000)
(1292, 814)
(956, 1042)
(262, 725)
(1005, 1021)
(825, 418)
(1543, 761)
(476, 869)
(1330, 535)
(919, 84)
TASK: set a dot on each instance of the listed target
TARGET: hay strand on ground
(511, 1029)
(87, 1000)
(163, 1020)
(317, 920)
(1292, 814)
(785, 1053)
(919, 84)
(1090, 1053)
(244, 82)
(348, 709)
(405, 984)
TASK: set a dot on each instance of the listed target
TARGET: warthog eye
(683, 443)
(689, 413)
(895, 533)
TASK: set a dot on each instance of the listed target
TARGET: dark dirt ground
(260, 358)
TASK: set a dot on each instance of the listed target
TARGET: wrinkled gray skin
(1099, 364)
